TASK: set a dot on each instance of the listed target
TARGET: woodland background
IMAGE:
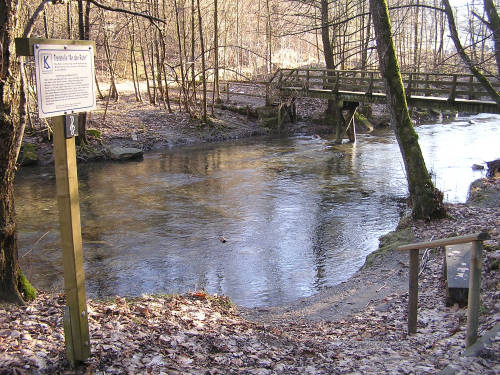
(178, 44)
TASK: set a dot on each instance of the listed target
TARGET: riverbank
(358, 327)
(128, 123)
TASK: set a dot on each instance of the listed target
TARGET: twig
(382, 287)
(425, 259)
(36, 243)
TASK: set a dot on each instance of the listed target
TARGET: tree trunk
(426, 201)
(69, 23)
(193, 31)
(269, 43)
(216, 55)
(163, 58)
(463, 55)
(82, 117)
(415, 39)
(365, 44)
(113, 92)
(203, 71)
(494, 26)
(9, 124)
(327, 49)
(45, 24)
(181, 60)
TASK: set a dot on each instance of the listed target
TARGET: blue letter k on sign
(46, 62)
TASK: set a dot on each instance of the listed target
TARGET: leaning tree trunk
(426, 201)
(463, 55)
(9, 124)
(494, 26)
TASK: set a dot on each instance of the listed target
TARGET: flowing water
(298, 214)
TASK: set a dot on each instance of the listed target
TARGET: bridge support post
(346, 125)
(351, 129)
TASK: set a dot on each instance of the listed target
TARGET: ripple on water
(298, 214)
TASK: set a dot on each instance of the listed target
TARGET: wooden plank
(446, 241)
(71, 238)
(474, 293)
(457, 259)
(464, 105)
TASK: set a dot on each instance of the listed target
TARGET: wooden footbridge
(460, 92)
(349, 88)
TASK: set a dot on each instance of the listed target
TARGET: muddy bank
(143, 126)
(385, 271)
(130, 124)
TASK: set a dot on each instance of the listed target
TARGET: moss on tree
(25, 287)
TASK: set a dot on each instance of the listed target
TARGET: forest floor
(358, 327)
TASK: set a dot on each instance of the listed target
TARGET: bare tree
(10, 273)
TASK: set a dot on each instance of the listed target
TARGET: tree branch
(481, 19)
(31, 22)
(348, 19)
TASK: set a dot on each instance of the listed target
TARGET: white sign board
(64, 79)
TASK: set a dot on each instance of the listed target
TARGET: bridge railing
(449, 86)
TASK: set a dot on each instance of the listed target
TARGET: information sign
(64, 79)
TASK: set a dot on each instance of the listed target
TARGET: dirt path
(370, 286)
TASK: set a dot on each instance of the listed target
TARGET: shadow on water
(298, 213)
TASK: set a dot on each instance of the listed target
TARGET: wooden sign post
(65, 86)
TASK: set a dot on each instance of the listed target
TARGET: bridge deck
(459, 92)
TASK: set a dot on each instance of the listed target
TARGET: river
(297, 214)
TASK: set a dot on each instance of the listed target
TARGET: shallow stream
(297, 214)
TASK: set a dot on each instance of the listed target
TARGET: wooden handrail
(474, 279)
(464, 75)
(446, 241)
(436, 89)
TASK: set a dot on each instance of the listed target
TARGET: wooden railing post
(453, 92)
(471, 87)
(474, 279)
(409, 88)
(307, 81)
(370, 85)
(413, 292)
(474, 292)
(337, 82)
(227, 92)
(268, 99)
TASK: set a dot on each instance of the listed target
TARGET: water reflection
(298, 213)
